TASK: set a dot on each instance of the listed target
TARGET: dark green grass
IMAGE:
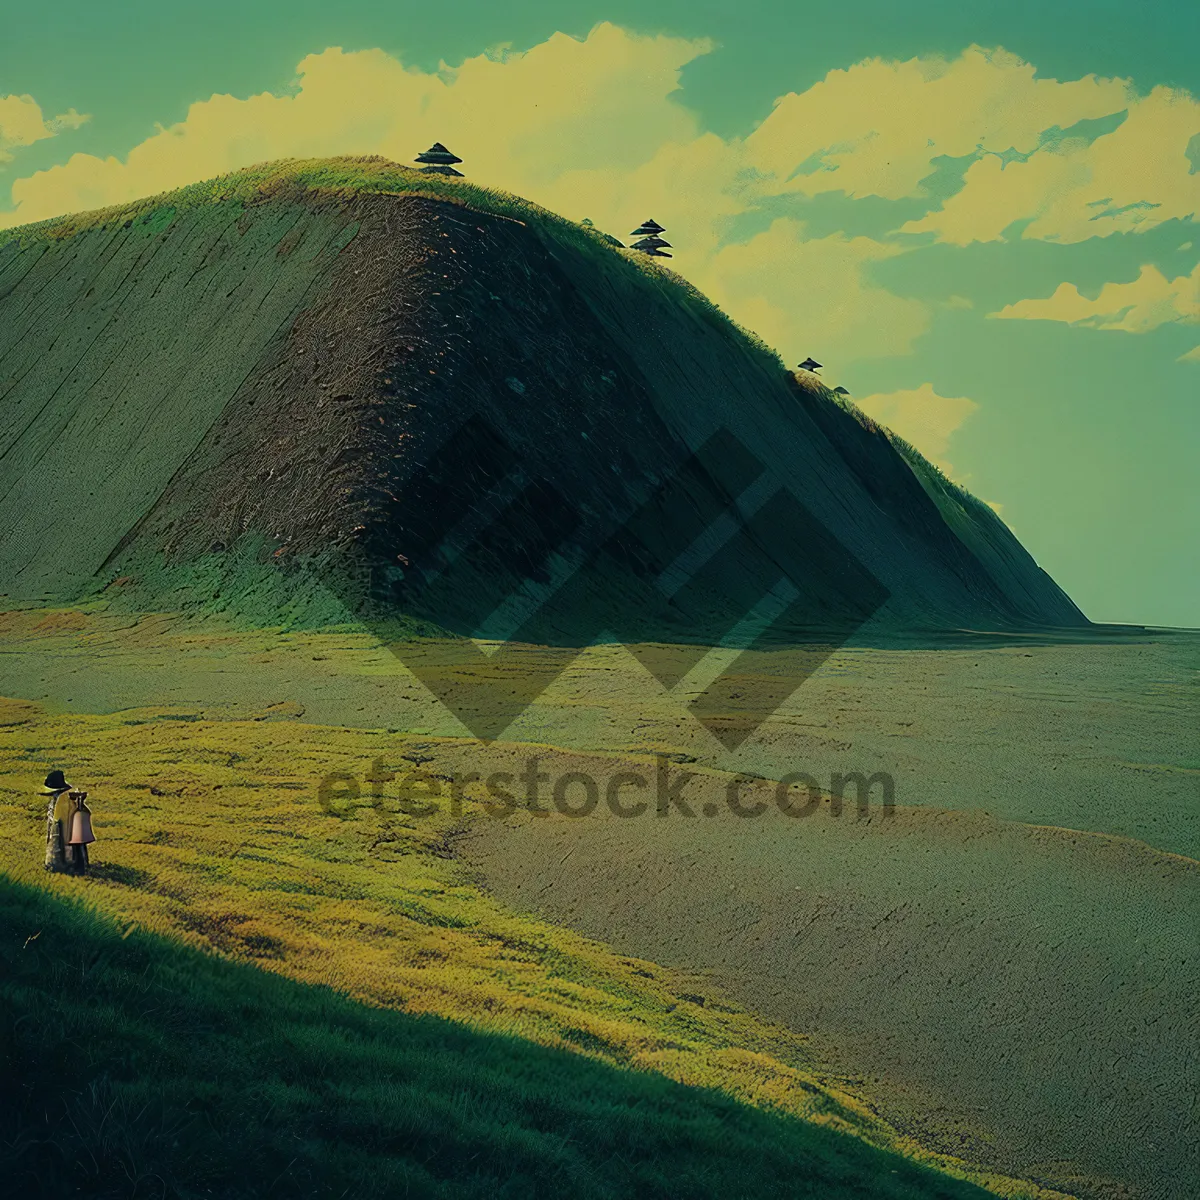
(137, 1067)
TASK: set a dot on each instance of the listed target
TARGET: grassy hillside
(971, 521)
(234, 397)
(213, 835)
(230, 403)
(138, 1067)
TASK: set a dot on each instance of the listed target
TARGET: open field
(1098, 733)
(996, 986)
(1011, 994)
(213, 833)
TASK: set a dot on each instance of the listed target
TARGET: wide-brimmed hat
(55, 782)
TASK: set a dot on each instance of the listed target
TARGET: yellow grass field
(213, 832)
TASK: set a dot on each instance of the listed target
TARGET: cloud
(876, 128)
(1128, 180)
(1146, 303)
(922, 418)
(519, 120)
(813, 296)
(690, 183)
(592, 127)
(587, 127)
(1190, 356)
(22, 124)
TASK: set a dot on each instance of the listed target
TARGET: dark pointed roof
(647, 242)
(646, 246)
(840, 391)
(438, 155)
(648, 226)
(809, 364)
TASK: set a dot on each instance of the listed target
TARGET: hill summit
(330, 387)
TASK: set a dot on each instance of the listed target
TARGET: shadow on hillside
(143, 1068)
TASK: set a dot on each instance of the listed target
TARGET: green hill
(288, 392)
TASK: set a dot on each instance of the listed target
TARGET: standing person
(58, 813)
(81, 835)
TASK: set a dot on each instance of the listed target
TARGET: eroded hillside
(340, 386)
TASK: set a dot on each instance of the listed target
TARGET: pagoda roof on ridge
(437, 153)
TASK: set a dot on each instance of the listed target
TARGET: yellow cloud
(1129, 180)
(22, 124)
(1146, 303)
(690, 184)
(519, 120)
(1191, 356)
(922, 418)
(812, 296)
(590, 127)
(875, 129)
(567, 105)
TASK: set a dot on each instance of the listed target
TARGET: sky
(981, 217)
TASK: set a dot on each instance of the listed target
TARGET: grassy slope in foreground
(142, 1067)
(212, 834)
